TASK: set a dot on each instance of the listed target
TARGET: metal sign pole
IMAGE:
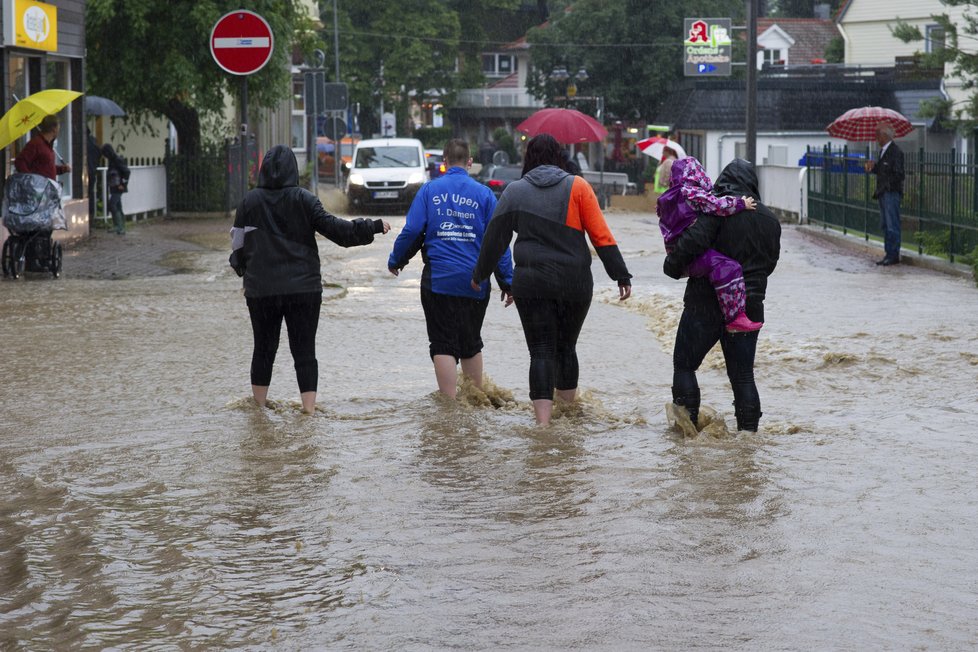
(244, 136)
(751, 81)
(312, 117)
(337, 159)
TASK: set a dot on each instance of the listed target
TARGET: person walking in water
(273, 243)
(753, 239)
(446, 222)
(691, 193)
(551, 211)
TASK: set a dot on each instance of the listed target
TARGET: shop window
(489, 64)
(773, 57)
(935, 38)
(58, 75)
(298, 114)
(17, 88)
(498, 65)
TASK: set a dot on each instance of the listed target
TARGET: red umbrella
(566, 125)
(860, 124)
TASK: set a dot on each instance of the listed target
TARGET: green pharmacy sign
(707, 49)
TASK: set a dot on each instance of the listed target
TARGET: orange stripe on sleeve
(584, 214)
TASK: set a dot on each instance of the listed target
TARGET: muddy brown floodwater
(145, 503)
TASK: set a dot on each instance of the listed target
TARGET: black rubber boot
(689, 398)
(748, 416)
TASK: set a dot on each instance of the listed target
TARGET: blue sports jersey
(446, 222)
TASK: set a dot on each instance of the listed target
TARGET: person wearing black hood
(752, 238)
(274, 249)
(118, 182)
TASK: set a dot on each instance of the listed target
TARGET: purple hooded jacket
(690, 192)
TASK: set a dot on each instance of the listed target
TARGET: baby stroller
(31, 212)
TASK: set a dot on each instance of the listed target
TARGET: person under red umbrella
(889, 172)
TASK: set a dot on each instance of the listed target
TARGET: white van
(386, 172)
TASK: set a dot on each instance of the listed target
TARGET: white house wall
(131, 141)
(867, 28)
(721, 147)
(872, 44)
(866, 11)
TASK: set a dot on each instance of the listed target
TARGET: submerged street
(146, 501)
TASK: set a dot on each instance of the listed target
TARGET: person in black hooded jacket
(752, 238)
(118, 182)
(274, 249)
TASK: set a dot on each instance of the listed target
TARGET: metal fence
(939, 211)
(198, 183)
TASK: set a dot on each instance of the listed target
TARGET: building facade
(44, 48)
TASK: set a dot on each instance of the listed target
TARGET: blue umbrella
(95, 105)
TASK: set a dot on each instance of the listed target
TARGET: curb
(907, 257)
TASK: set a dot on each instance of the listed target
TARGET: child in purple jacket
(689, 193)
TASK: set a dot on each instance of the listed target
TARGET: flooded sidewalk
(145, 501)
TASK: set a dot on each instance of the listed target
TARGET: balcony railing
(496, 98)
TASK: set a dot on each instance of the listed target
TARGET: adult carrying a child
(752, 238)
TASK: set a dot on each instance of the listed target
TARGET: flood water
(146, 503)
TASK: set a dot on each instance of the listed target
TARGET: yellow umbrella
(28, 112)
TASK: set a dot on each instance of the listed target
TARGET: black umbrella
(95, 105)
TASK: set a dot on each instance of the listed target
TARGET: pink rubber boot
(742, 324)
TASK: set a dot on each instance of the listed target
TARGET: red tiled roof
(811, 36)
(509, 81)
(518, 44)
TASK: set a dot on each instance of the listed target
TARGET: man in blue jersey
(446, 223)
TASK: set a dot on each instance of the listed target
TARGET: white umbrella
(655, 145)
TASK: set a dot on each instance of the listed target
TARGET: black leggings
(551, 328)
(700, 328)
(301, 314)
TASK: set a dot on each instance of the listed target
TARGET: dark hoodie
(273, 240)
(752, 238)
(118, 171)
(550, 211)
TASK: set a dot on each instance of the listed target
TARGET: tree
(964, 61)
(394, 52)
(154, 58)
(606, 37)
(398, 52)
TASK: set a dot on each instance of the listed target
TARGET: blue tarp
(853, 161)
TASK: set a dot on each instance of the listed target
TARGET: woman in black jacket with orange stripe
(551, 211)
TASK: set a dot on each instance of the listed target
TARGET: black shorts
(454, 324)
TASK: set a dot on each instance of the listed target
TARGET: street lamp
(560, 74)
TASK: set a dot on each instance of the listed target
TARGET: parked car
(325, 148)
(497, 177)
(435, 159)
(386, 172)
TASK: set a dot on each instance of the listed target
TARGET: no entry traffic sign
(241, 42)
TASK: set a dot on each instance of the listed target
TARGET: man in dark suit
(889, 191)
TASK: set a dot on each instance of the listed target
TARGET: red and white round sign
(241, 42)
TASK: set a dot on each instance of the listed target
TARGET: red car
(497, 177)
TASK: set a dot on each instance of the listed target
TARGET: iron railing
(198, 183)
(939, 210)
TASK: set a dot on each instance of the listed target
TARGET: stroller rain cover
(32, 202)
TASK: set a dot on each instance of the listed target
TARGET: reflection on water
(146, 502)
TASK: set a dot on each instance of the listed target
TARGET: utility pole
(336, 42)
(752, 81)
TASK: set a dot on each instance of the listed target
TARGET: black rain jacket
(752, 238)
(273, 240)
